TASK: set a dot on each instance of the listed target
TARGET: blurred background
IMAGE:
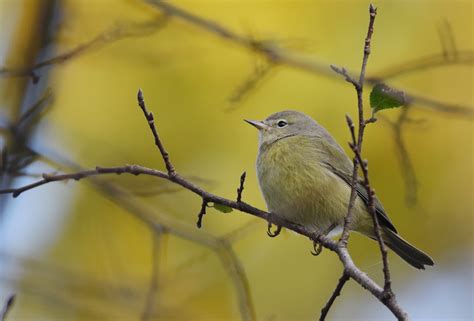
(127, 248)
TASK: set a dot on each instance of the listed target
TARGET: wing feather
(332, 151)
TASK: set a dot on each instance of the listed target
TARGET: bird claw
(317, 249)
(275, 233)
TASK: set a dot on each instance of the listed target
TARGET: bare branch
(343, 72)
(151, 122)
(117, 33)
(241, 187)
(337, 291)
(250, 84)
(356, 146)
(36, 108)
(202, 212)
(422, 64)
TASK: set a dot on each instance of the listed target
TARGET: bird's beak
(257, 124)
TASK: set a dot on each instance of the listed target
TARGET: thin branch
(151, 122)
(356, 146)
(446, 37)
(438, 106)
(241, 187)
(36, 108)
(117, 33)
(237, 274)
(250, 84)
(202, 212)
(48, 178)
(422, 64)
(7, 307)
(337, 291)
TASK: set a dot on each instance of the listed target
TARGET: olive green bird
(305, 177)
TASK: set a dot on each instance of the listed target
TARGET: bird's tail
(405, 250)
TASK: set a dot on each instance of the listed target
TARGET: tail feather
(406, 251)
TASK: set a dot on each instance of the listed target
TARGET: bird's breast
(298, 187)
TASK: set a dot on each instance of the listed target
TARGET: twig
(237, 273)
(7, 307)
(36, 108)
(421, 64)
(357, 144)
(250, 84)
(202, 212)
(337, 291)
(151, 122)
(131, 30)
(241, 187)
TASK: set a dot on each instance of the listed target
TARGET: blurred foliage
(98, 264)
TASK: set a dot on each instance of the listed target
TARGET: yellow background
(96, 264)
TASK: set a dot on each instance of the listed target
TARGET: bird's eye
(282, 123)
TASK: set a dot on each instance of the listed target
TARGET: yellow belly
(300, 189)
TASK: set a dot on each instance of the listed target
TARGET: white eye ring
(282, 123)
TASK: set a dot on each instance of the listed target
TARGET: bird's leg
(317, 247)
(275, 233)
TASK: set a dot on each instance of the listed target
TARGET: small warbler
(305, 178)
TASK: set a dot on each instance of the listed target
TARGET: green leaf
(384, 97)
(222, 208)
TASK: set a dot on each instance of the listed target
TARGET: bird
(305, 177)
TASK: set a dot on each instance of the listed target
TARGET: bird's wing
(344, 170)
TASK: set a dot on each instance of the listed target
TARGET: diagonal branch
(151, 122)
(337, 291)
(117, 33)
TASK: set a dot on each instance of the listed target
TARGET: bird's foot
(275, 233)
(317, 248)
